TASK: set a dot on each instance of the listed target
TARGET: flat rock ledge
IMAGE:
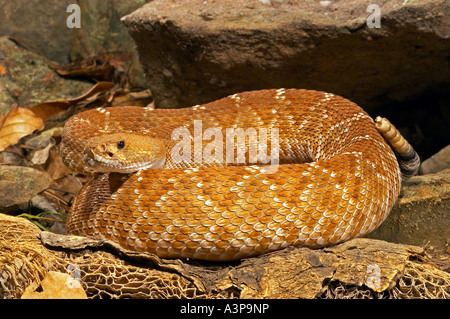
(421, 215)
(195, 51)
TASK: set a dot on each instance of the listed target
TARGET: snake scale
(337, 177)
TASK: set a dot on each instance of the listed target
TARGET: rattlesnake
(335, 177)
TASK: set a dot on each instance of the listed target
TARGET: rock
(19, 184)
(359, 268)
(43, 25)
(437, 162)
(195, 51)
(421, 215)
(40, 24)
(30, 74)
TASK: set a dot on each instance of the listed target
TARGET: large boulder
(195, 51)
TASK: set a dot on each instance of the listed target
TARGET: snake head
(124, 152)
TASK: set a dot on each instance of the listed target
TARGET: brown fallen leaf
(49, 109)
(55, 285)
(41, 155)
(2, 70)
(126, 97)
(19, 122)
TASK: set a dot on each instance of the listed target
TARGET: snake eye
(120, 145)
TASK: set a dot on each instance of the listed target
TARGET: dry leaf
(125, 97)
(41, 155)
(2, 70)
(56, 285)
(47, 110)
(100, 67)
(55, 165)
(10, 158)
(19, 122)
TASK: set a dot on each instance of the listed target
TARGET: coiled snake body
(337, 177)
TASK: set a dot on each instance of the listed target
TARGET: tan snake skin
(337, 178)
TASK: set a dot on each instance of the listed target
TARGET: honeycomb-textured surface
(24, 259)
(419, 281)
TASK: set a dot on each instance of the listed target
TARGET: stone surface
(19, 184)
(102, 28)
(195, 51)
(421, 215)
(56, 285)
(28, 79)
(42, 25)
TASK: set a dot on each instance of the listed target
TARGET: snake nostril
(110, 154)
